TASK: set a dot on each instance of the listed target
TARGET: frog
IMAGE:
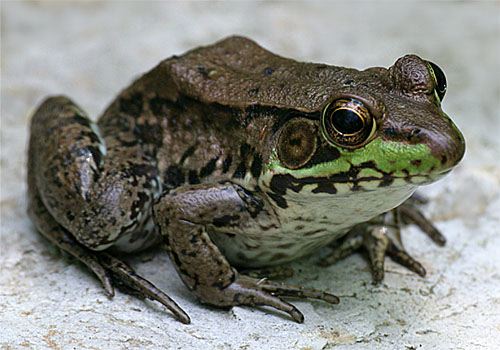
(231, 158)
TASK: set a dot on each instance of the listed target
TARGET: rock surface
(92, 50)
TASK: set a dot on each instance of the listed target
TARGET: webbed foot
(127, 280)
(111, 271)
(382, 236)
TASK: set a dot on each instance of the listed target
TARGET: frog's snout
(446, 144)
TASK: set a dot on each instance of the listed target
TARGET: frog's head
(380, 128)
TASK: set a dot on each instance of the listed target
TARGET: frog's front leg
(185, 217)
(382, 236)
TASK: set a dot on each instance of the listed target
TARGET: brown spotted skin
(94, 195)
(177, 160)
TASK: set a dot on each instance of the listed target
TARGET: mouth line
(386, 178)
(281, 183)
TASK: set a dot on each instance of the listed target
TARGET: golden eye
(297, 142)
(347, 123)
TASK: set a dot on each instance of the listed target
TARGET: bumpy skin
(191, 156)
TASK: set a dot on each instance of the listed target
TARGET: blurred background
(92, 50)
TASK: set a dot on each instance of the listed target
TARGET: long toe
(141, 287)
(246, 291)
(412, 214)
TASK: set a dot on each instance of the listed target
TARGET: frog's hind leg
(58, 236)
(382, 236)
(110, 270)
(64, 166)
(97, 187)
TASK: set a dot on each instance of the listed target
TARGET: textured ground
(91, 51)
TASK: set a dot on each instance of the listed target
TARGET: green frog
(230, 157)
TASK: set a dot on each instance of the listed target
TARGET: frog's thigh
(77, 181)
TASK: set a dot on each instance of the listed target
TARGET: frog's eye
(439, 79)
(297, 142)
(347, 123)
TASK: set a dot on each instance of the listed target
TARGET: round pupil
(346, 121)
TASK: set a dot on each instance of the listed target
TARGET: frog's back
(192, 114)
(239, 73)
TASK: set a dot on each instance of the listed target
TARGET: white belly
(309, 222)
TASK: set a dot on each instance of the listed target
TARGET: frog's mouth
(364, 176)
(284, 186)
(280, 183)
(355, 180)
